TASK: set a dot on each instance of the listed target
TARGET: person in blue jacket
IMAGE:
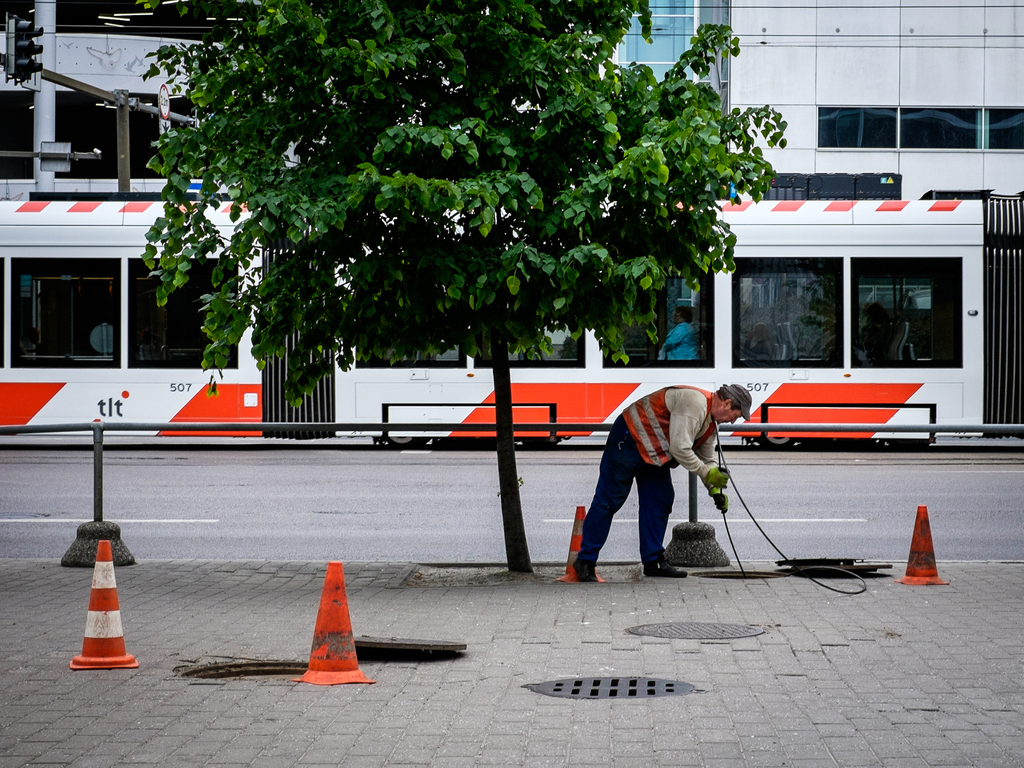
(681, 343)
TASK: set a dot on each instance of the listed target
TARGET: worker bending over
(672, 427)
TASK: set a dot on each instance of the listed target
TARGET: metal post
(124, 178)
(45, 103)
(693, 497)
(97, 472)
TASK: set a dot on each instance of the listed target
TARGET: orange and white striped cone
(575, 543)
(103, 646)
(332, 659)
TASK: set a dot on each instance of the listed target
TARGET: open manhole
(236, 669)
(831, 566)
(367, 649)
(693, 630)
(611, 688)
(740, 574)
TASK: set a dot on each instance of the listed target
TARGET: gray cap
(740, 397)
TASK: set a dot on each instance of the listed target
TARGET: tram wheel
(775, 443)
(405, 442)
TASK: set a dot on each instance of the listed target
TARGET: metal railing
(97, 428)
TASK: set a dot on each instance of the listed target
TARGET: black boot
(660, 567)
(584, 570)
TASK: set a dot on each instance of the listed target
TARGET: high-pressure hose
(797, 569)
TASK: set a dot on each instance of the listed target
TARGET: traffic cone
(332, 660)
(103, 647)
(575, 543)
(921, 568)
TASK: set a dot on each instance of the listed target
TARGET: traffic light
(20, 64)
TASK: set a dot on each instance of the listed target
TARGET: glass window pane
(672, 7)
(170, 336)
(670, 39)
(66, 313)
(568, 353)
(1004, 129)
(907, 313)
(856, 127)
(685, 329)
(3, 314)
(453, 358)
(787, 312)
(940, 128)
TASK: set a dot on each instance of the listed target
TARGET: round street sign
(165, 103)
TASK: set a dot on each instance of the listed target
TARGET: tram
(842, 311)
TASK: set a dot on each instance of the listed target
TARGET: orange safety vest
(648, 422)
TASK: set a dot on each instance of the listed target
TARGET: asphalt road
(345, 501)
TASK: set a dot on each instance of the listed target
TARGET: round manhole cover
(692, 630)
(611, 688)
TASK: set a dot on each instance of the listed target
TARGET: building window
(940, 128)
(672, 26)
(1004, 129)
(66, 313)
(871, 127)
(170, 336)
(787, 312)
(907, 313)
(919, 128)
(685, 329)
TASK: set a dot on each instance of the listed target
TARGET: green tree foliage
(447, 173)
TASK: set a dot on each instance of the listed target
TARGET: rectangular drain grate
(611, 688)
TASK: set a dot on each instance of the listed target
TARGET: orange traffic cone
(103, 647)
(921, 567)
(332, 660)
(575, 543)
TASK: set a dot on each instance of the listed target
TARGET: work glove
(721, 502)
(717, 478)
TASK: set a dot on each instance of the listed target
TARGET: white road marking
(745, 520)
(89, 520)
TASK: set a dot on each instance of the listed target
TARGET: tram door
(316, 407)
(1004, 310)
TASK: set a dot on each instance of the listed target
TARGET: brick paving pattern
(900, 677)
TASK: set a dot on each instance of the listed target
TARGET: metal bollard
(693, 497)
(97, 472)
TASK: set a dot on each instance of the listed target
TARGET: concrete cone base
(693, 545)
(82, 554)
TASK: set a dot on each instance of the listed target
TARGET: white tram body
(839, 311)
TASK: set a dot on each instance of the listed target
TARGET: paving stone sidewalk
(897, 676)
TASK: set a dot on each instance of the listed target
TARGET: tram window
(685, 329)
(567, 353)
(2, 313)
(907, 313)
(66, 313)
(787, 312)
(453, 358)
(170, 336)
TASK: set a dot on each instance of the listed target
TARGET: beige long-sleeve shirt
(689, 419)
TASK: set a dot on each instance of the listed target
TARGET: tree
(448, 173)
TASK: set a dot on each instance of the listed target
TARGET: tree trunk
(517, 552)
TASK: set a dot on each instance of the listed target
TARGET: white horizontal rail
(544, 426)
(98, 427)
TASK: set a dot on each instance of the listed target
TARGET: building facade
(927, 92)
(932, 92)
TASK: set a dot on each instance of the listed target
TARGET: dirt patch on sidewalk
(496, 575)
